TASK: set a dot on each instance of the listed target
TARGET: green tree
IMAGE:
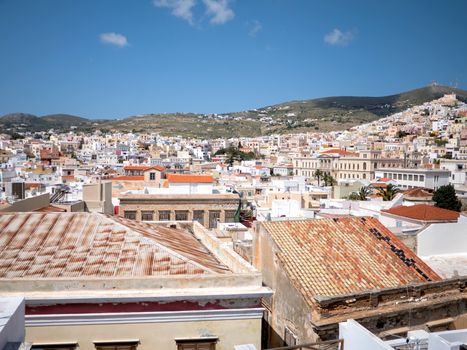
(318, 174)
(363, 193)
(440, 142)
(445, 197)
(401, 134)
(389, 192)
(234, 154)
(328, 180)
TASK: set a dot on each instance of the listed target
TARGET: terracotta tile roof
(338, 151)
(379, 185)
(128, 178)
(384, 179)
(329, 257)
(94, 245)
(424, 212)
(418, 192)
(143, 167)
(181, 178)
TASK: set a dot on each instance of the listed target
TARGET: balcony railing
(325, 345)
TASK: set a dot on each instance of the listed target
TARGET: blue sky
(115, 58)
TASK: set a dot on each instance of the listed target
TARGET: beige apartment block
(207, 209)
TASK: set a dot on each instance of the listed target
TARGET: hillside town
(354, 238)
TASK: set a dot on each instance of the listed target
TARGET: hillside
(65, 119)
(21, 122)
(321, 114)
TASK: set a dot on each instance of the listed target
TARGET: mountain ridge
(319, 114)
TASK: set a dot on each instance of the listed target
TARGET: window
(181, 215)
(123, 345)
(230, 215)
(410, 177)
(405, 176)
(196, 344)
(147, 215)
(198, 215)
(62, 346)
(422, 178)
(164, 215)
(214, 218)
(152, 176)
(130, 214)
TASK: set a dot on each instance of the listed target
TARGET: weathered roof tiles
(330, 257)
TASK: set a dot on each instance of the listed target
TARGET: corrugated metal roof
(330, 257)
(95, 245)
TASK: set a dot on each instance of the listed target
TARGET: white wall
(12, 321)
(289, 208)
(191, 188)
(438, 239)
(449, 340)
(357, 337)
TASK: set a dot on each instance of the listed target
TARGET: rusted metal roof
(95, 245)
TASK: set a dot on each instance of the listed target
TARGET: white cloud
(219, 11)
(338, 38)
(255, 28)
(116, 39)
(180, 8)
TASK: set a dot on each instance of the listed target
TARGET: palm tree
(389, 192)
(328, 180)
(318, 174)
(363, 193)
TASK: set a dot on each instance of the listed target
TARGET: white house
(410, 178)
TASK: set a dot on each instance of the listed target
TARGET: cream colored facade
(151, 336)
(359, 166)
(307, 200)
